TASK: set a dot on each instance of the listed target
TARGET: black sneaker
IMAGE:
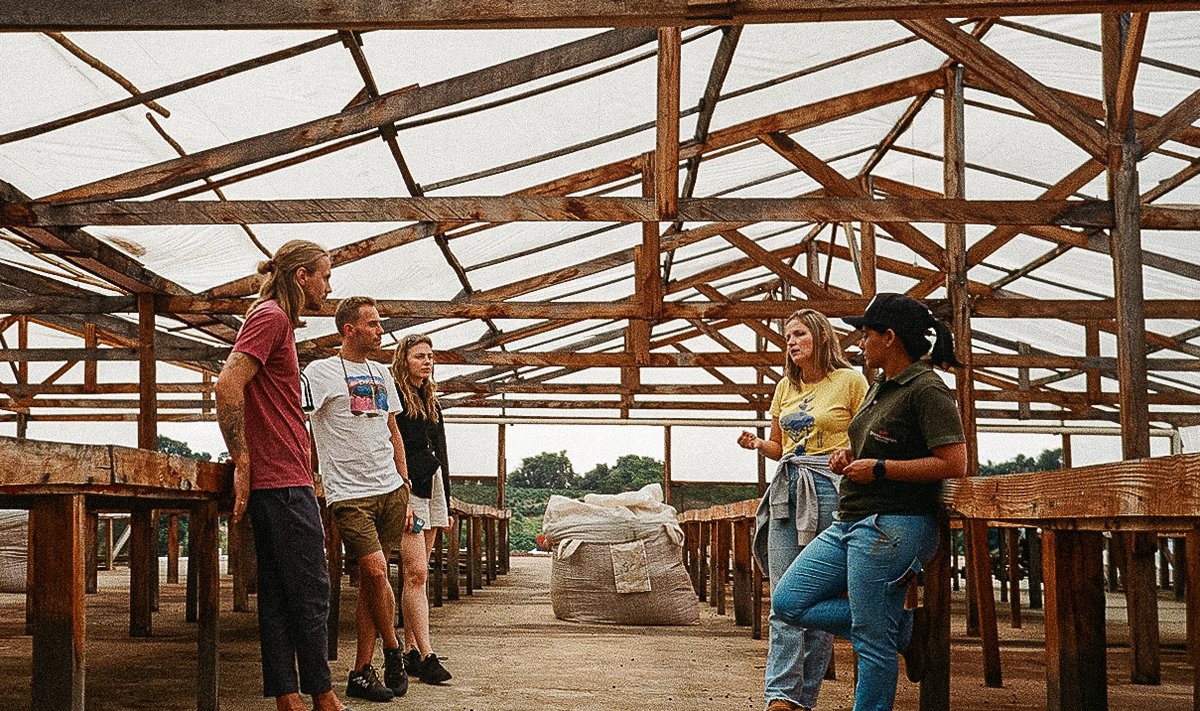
(365, 684)
(395, 674)
(412, 662)
(431, 670)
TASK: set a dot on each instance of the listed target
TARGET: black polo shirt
(902, 418)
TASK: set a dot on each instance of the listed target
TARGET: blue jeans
(796, 657)
(873, 560)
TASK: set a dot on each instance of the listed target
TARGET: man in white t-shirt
(353, 405)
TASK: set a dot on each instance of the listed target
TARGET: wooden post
(702, 563)
(241, 562)
(204, 556)
(1192, 565)
(60, 624)
(141, 567)
(147, 375)
(439, 566)
(333, 559)
(666, 150)
(89, 551)
(108, 547)
(453, 541)
(954, 177)
(1132, 383)
(756, 590)
(1034, 539)
(724, 544)
(743, 531)
(173, 548)
(667, 466)
(501, 464)
(492, 528)
(1075, 634)
(1013, 539)
(935, 686)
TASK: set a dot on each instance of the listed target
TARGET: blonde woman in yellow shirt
(810, 414)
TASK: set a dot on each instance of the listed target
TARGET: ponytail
(943, 347)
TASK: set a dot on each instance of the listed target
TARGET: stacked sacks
(618, 559)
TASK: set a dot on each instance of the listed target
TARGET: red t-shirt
(275, 433)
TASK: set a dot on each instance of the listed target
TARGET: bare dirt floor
(509, 653)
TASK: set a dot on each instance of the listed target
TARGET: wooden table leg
(453, 541)
(60, 624)
(142, 565)
(1075, 635)
(935, 687)
(203, 555)
(979, 569)
(742, 532)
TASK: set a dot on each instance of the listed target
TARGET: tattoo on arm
(233, 427)
(231, 403)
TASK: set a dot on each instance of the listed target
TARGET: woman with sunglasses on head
(424, 434)
(905, 439)
(811, 410)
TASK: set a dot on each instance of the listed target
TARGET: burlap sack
(14, 541)
(619, 559)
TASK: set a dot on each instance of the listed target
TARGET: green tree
(166, 445)
(1048, 460)
(630, 473)
(548, 470)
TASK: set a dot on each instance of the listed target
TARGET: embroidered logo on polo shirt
(883, 436)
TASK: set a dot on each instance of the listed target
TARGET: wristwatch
(879, 471)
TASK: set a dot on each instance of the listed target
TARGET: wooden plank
(386, 110)
(425, 14)
(60, 618)
(147, 374)
(1012, 81)
(764, 258)
(1161, 487)
(27, 462)
(203, 554)
(1075, 629)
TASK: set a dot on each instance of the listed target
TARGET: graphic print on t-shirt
(367, 393)
(799, 424)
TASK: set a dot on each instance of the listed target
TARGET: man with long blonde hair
(258, 408)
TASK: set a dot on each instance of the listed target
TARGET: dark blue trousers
(293, 590)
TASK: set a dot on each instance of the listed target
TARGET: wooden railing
(1072, 508)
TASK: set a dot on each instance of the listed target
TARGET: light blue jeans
(873, 560)
(796, 657)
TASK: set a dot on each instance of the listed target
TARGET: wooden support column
(1119, 63)
(1034, 538)
(173, 548)
(724, 536)
(147, 375)
(453, 541)
(666, 152)
(1192, 565)
(142, 566)
(667, 496)
(979, 573)
(60, 624)
(439, 566)
(935, 687)
(1013, 540)
(501, 464)
(241, 562)
(492, 529)
(756, 590)
(89, 550)
(1075, 634)
(204, 556)
(89, 366)
(704, 530)
(743, 532)
(867, 269)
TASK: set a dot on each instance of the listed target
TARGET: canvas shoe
(395, 674)
(431, 670)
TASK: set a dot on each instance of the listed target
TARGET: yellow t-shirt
(814, 419)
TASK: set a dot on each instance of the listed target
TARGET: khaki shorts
(372, 523)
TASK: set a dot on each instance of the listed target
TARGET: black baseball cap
(899, 312)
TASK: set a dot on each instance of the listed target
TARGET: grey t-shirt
(905, 417)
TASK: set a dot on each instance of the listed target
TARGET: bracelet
(879, 470)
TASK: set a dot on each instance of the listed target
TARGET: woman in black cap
(904, 441)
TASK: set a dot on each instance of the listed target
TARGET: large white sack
(618, 559)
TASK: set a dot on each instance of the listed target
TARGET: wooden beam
(147, 377)
(386, 110)
(1081, 213)
(839, 186)
(427, 14)
(764, 258)
(666, 151)
(1012, 81)
(1076, 678)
